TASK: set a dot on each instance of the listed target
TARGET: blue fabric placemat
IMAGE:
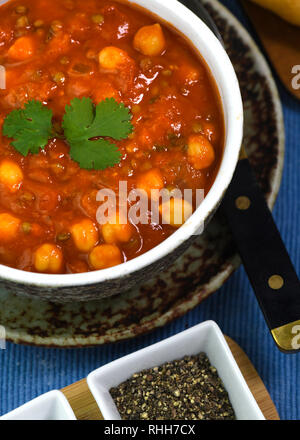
(26, 372)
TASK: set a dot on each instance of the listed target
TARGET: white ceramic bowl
(206, 337)
(49, 406)
(98, 284)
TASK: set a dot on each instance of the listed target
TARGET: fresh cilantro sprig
(83, 122)
(31, 127)
(86, 129)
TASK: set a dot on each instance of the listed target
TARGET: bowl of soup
(120, 129)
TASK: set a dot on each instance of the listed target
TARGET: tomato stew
(54, 51)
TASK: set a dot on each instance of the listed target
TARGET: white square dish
(206, 337)
(49, 406)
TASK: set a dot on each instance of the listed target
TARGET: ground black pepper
(186, 389)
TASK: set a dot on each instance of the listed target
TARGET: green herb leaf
(31, 127)
(112, 120)
(98, 154)
(83, 122)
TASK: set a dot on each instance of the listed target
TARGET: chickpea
(175, 211)
(48, 258)
(113, 58)
(11, 175)
(85, 235)
(150, 180)
(105, 256)
(201, 153)
(117, 229)
(150, 40)
(9, 227)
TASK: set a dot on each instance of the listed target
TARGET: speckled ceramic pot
(100, 284)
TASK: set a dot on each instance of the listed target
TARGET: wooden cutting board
(281, 42)
(86, 408)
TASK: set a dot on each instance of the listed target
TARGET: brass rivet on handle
(276, 282)
(243, 203)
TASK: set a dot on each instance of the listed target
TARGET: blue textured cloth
(27, 372)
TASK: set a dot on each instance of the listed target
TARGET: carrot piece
(59, 45)
(23, 48)
(9, 227)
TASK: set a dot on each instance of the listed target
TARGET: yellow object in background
(287, 9)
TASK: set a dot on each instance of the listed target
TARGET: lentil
(38, 23)
(21, 9)
(59, 77)
(22, 22)
(26, 227)
(63, 236)
(97, 18)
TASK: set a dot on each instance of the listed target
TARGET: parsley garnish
(85, 126)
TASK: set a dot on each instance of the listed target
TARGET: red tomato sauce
(50, 50)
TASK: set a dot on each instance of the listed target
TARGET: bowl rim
(97, 379)
(222, 71)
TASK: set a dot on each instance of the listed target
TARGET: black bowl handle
(259, 243)
(264, 256)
